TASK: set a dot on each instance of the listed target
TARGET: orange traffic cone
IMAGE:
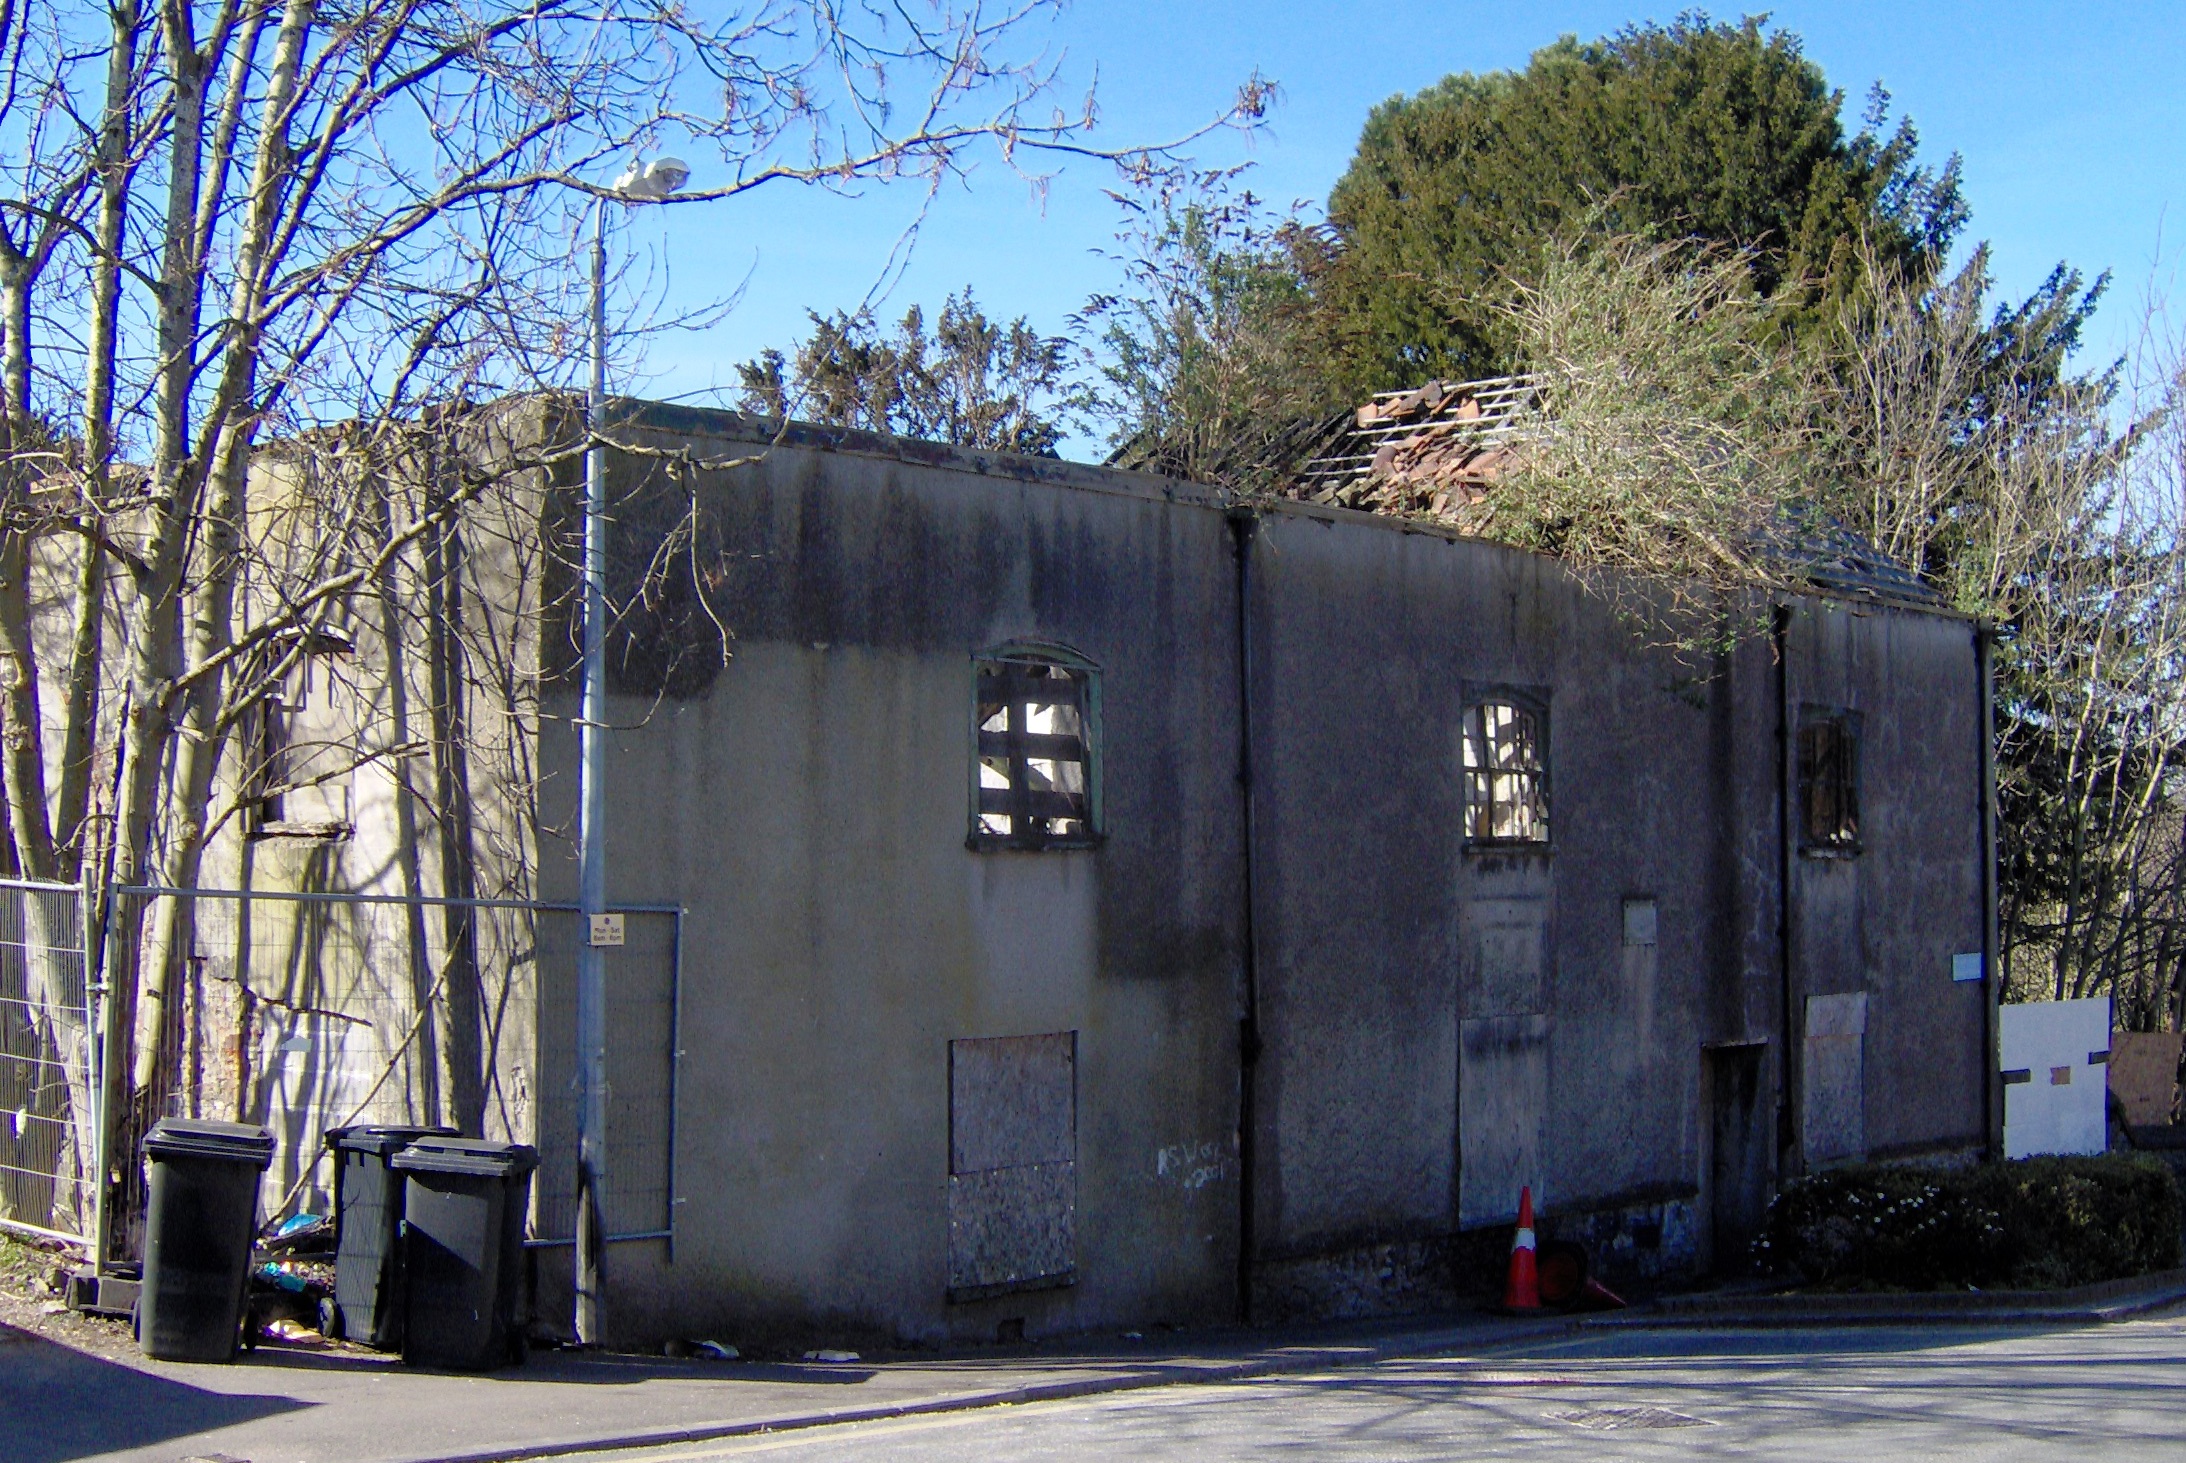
(1523, 1293)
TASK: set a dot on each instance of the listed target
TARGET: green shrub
(2031, 1224)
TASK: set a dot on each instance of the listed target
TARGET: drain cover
(1604, 1419)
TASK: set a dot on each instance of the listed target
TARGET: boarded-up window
(1506, 796)
(1035, 783)
(1829, 782)
(1013, 1170)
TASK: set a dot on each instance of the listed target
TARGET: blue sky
(2071, 119)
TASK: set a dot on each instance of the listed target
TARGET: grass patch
(2030, 1224)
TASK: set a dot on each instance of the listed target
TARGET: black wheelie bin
(197, 1239)
(366, 1305)
(463, 1293)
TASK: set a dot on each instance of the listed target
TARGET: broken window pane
(1829, 782)
(1505, 800)
(300, 738)
(1034, 788)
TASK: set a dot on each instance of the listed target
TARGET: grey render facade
(1268, 1028)
(1282, 1039)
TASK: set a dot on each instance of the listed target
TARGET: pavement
(67, 1401)
(2108, 1300)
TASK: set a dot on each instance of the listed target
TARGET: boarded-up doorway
(1502, 1067)
(1833, 1081)
(1502, 1060)
(1738, 1153)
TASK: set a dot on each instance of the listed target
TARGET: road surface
(1858, 1394)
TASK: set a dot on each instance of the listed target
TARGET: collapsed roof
(1437, 450)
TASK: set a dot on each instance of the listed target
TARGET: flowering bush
(2033, 1224)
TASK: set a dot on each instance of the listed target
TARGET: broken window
(1506, 797)
(1035, 782)
(300, 746)
(1829, 782)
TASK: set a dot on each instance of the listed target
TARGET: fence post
(94, 920)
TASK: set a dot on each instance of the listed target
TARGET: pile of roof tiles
(1434, 450)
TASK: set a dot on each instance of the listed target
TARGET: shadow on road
(57, 1404)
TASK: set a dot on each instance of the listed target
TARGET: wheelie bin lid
(475, 1156)
(380, 1138)
(201, 1138)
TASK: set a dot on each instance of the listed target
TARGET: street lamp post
(650, 183)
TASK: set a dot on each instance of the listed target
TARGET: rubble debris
(1434, 450)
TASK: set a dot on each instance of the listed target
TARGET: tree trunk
(154, 637)
(80, 724)
(423, 973)
(196, 760)
(461, 999)
(231, 430)
(22, 729)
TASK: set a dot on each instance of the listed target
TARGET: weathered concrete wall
(810, 810)
(1444, 1022)
(1886, 923)
(1606, 1018)
(1425, 1003)
(412, 736)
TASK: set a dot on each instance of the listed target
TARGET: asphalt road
(1858, 1394)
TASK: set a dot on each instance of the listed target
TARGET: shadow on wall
(62, 1404)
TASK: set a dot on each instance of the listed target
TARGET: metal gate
(644, 979)
(49, 1063)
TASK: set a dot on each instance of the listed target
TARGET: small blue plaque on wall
(1966, 967)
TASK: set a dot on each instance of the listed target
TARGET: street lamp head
(653, 181)
(667, 174)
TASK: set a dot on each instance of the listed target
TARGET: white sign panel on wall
(2054, 1056)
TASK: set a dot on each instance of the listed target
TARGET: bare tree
(1669, 443)
(226, 223)
(2050, 505)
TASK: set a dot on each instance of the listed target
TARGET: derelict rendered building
(1108, 903)
(1103, 902)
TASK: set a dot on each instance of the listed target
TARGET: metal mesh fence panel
(48, 1062)
(304, 1012)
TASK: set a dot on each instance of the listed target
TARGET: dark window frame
(1009, 680)
(268, 734)
(1829, 782)
(1530, 712)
